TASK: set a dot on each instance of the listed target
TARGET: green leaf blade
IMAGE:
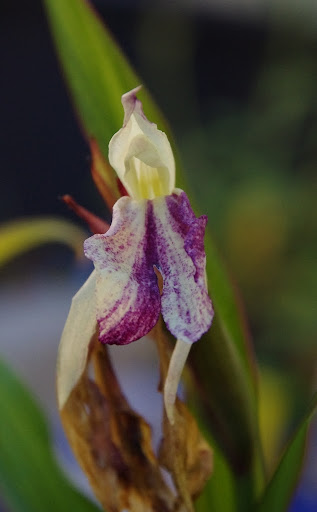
(279, 491)
(95, 68)
(20, 236)
(30, 480)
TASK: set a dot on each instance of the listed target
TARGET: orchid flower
(154, 232)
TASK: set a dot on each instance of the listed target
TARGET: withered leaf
(184, 452)
(113, 444)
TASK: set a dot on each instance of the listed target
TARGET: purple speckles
(162, 233)
(127, 296)
(186, 306)
(194, 245)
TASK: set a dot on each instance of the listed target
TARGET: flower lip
(162, 233)
(141, 154)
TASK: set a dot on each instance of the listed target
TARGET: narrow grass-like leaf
(19, 236)
(278, 493)
(219, 492)
(30, 480)
(229, 409)
(96, 70)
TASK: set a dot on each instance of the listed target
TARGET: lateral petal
(127, 294)
(186, 307)
(77, 335)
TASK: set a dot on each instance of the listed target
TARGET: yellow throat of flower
(147, 182)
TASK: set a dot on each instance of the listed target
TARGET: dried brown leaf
(184, 452)
(113, 444)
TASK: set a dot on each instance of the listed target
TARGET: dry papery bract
(113, 443)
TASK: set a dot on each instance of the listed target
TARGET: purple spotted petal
(186, 306)
(127, 294)
(144, 234)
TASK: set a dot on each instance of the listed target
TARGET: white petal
(73, 349)
(139, 144)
